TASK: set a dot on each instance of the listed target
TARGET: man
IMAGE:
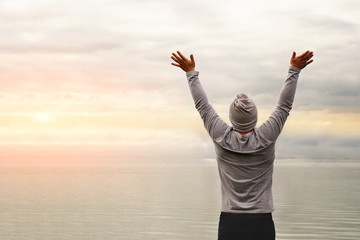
(245, 154)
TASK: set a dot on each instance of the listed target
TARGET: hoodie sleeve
(271, 129)
(215, 126)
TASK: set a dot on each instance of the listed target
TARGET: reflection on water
(317, 201)
(153, 201)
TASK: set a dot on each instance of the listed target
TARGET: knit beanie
(243, 113)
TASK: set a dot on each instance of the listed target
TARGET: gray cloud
(249, 51)
(320, 148)
(238, 47)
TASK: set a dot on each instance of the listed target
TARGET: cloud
(113, 57)
(319, 148)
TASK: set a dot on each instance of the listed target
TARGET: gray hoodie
(245, 163)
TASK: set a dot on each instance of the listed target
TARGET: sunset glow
(95, 80)
(43, 117)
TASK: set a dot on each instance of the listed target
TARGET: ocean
(166, 200)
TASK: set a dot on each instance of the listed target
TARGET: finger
(293, 55)
(192, 58)
(304, 54)
(307, 58)
(308, 62)
(176, 65)
(173, 58)
(310, 55)
(177, 57)
(182, 56)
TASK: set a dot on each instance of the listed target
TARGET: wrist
(295, 68)
(190, 70)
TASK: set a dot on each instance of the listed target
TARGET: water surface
(313, 200)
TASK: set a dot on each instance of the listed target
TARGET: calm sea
(313, 200)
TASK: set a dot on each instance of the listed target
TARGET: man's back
(245, 166)
(245, 162)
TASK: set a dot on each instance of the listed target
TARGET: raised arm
(212, 122)
(271, 129)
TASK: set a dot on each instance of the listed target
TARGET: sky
(93, 79)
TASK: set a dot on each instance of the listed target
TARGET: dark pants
(246, 226)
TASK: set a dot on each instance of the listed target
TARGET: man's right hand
(182, 62)
(301, 61)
